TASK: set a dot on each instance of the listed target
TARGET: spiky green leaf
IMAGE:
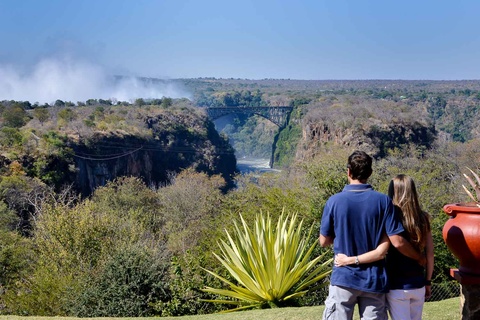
(271, 264)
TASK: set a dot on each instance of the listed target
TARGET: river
(255, 165)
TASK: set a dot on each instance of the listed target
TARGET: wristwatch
(356, 260)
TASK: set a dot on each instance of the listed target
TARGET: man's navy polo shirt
(357, 218)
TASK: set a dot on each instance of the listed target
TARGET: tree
(67, 114)
(15, 116)
(59, 103)
(91, 102)
(139, 102)
(105, 102)
(189, 207)
(166, 102)
(41, 114)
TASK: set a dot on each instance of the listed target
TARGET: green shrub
(9, 221)
(128, 197)
(42, 114)
(17, 191)
(327, 176)
(130, 284)
(66, 115)
(73, 244)
(189, 212)
(16, 256)
(15, 116)
(186, 279)
(44, 291)
(270, 193)
(10, 137)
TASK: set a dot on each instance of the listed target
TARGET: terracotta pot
(462, 235)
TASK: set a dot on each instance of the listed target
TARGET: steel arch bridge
(276, 114)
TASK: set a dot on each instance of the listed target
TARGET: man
(354, 221)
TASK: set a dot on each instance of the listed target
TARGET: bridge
(276, 114)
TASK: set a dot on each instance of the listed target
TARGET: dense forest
(116, 208)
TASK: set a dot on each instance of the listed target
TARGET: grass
(439, 310)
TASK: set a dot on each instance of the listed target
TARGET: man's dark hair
(360, 165)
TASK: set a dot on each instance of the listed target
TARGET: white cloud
(76, 80)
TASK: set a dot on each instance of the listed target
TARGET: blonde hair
(415, 221)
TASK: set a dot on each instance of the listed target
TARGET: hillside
(90, 145)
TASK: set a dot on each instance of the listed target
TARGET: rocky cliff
(178, 141)
(373, 126)
(101, 144)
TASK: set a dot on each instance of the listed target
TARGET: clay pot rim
(468, 207)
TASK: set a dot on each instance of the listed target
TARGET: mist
(77, 80)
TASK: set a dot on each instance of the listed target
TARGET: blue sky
(252, 39)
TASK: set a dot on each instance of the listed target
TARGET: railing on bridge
(276, 114)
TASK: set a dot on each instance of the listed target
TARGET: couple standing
(362, 224)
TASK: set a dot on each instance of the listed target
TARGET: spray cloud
(77, 80)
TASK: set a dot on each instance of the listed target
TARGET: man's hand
(325, 241)
(406, 248)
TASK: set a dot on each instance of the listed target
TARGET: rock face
(375, 129)
(178, 141)
(376, 139)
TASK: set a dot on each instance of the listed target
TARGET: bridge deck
(276, 114)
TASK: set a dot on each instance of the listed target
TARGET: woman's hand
(428, 292)
(343, 260)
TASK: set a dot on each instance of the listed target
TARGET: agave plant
(475, 186)
(272, 266)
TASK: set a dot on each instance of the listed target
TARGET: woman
(409, 282)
